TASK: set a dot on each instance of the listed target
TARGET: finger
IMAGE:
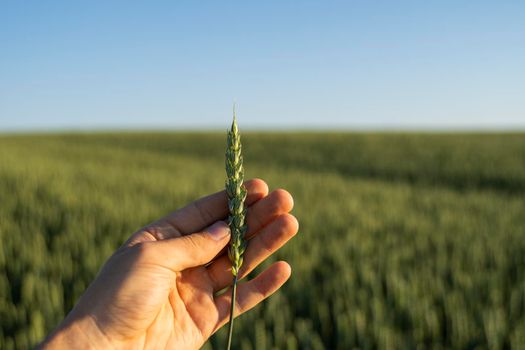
(260, 247)
(252, 292)
(207, 210)
(197, 215)
(188, 251)
(265, 210)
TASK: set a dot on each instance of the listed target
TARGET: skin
(160, 290)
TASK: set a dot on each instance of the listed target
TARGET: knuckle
(142, 251)
(205, 215)
(194, 246)
(259, 291)
(193, 242)
(267, 244)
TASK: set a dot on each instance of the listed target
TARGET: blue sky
(287, 64)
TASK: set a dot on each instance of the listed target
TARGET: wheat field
(406, 241)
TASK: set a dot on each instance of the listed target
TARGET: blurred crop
(406, 241)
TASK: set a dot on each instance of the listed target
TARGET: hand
(159, 289)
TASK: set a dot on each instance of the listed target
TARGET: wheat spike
(236, 196)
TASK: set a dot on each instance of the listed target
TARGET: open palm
(161, 289)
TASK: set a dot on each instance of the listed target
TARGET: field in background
(407, 241)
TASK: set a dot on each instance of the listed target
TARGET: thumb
(192, 250)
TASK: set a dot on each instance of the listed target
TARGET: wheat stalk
(236, 197)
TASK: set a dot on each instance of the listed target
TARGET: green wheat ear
(236, 197)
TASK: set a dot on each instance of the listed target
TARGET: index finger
(198, 215)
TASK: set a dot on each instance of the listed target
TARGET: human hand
(159, 290)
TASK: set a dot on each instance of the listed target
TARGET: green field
(406, 241)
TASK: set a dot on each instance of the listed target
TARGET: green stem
(232, 310)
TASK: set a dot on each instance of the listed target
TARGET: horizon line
(415, 128)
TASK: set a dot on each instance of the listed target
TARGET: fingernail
(218, 230)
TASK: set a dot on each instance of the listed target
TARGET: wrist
(76, 334)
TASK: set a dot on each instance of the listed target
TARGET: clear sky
(288, 64)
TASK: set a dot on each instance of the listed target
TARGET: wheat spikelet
(236, 197)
